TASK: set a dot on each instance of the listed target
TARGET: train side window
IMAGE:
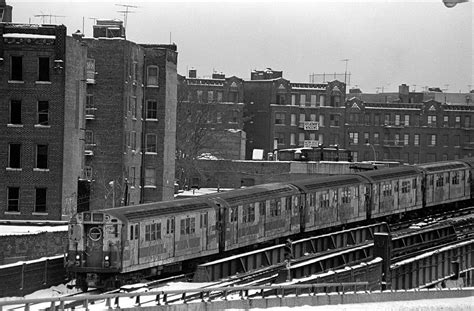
(455, 179)
(136, 232)
(295, 201)
(405, 186)
(262, 208)
(158, 231)
(188, 225)
(147, 233)
(414, 183)
(170, 226)
(203, 220)
(346, 195)
(439, 180)
(233, 214)
(275, 207)
(248, 214)
(288, 203)
(387, 190)
(324, 200)
(131, 232)
(447, 179)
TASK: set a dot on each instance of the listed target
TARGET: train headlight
(106, 262)
(78, 257)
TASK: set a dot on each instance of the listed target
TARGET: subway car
(111, 247)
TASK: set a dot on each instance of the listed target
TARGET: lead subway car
(113, 246)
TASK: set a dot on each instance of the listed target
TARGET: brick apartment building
(131, 116)
(42, 92)
(282, 114)
(409, 132)
(219, 100)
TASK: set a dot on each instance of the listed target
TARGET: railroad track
(432, 219)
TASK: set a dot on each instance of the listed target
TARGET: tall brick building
(220, 101)
(131, 115)
(282, 114)
(42, 92)
(428, 131)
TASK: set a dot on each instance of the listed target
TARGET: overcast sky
(389, 42)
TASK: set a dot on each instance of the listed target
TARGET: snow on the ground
(23, 230)
(465, 303)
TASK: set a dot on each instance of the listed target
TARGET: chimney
(218, 76)
(403, 93)
(192, 73)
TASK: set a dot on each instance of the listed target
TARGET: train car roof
(389, 173)
(255, 193)
(321, 182)
(147, 210)
(468, 161)
(442, 166)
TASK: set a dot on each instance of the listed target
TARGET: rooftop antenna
(44, 16)
(345, 72)
(446, 87)
(414, 87)
(126, 12)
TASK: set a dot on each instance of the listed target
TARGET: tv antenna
(125, 12)
(44, 16)
(346, 60)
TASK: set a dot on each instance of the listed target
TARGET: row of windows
(442, 180)
(153, 231)
(15, 112)
(151, 77)
(212, 96)
(14, 200)
(309, 101)
(15, 151)
(408, 120)
(248, 210)
(280, 119)
(233, 117)
(407, 139)
(17, 71)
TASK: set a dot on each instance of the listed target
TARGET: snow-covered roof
(28, 35)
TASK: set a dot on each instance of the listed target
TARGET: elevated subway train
(109, 247)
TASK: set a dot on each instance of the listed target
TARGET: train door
(221, 227)
(94, 245)
(134, 243)
(203, 225)
(261, 212)
(368, 201)
(429, 190)
(293, 212)
(299, 206)
(169, 237)
(233, 228)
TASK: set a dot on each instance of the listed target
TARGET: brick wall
(32, 246)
